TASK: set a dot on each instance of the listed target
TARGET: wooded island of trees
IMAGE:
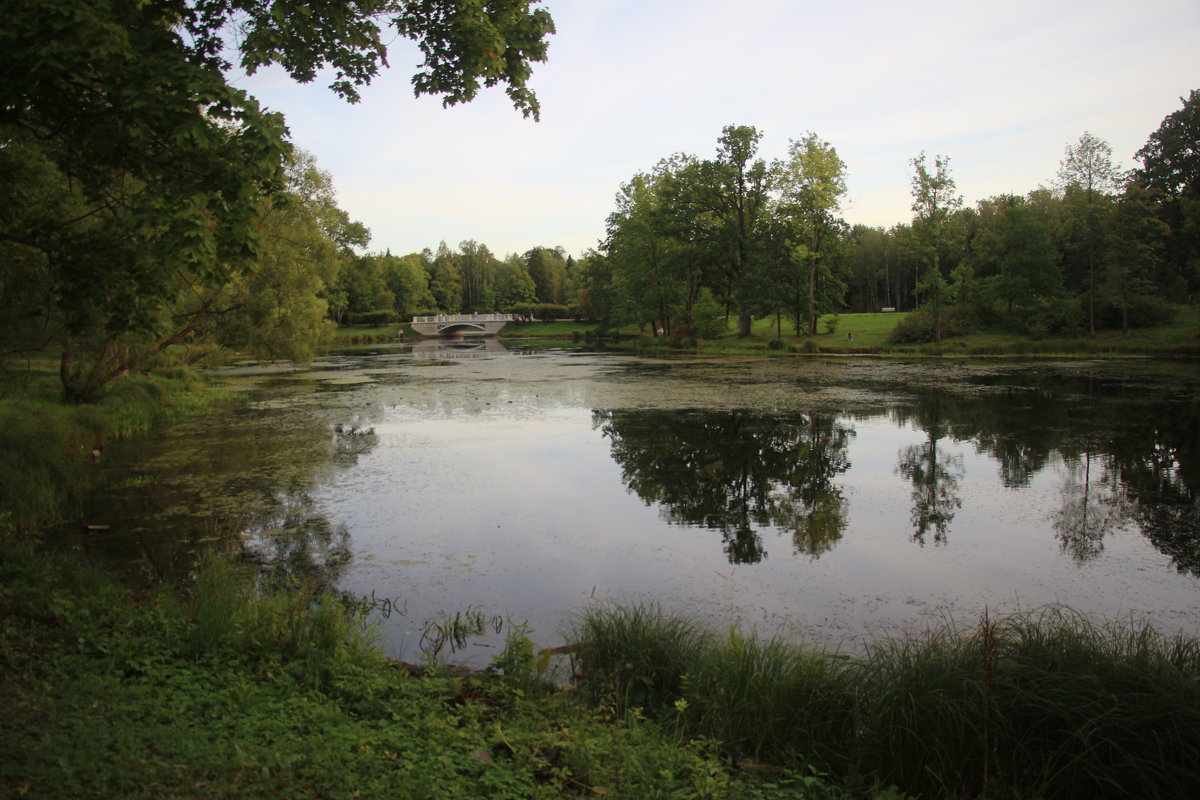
(148, 207)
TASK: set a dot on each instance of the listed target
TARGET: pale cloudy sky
(1000, 87)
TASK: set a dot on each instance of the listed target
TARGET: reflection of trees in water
(287, 533)
(1132, 449)
(935, 477)
(934, 474)
(1161, 478)
(239, 482)
(1091, 508)
(294, 538)
(736, 472)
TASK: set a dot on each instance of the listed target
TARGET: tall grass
(637, 655)
(312, 632)
(1047, 704)
(763, 697)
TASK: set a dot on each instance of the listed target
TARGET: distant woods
(1098, 247)
(542, 283)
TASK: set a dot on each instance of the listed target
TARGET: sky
(1002, 88)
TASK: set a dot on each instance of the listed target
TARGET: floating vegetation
(455, 631)
(353, 430)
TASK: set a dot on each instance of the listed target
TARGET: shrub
(1143, 310)
(636, 655)
(915, 328)
(830, 322)
(918, 328)
(548, 312)
(377, 317)
(707, 316)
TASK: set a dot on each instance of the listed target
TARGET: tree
(934, 474)
(594, 295)
(515, 284)
(872, 260)
(445, 280)
(1087, 168)
(149, 168)
(811, 183)
(642, 248)
(548, 268)
(1139, 241)
(934, 199)
(365, 282)
(1015, 252)
(1171, 166)
(277, 310)
(408, 279)
(478, 267)
(738, 191)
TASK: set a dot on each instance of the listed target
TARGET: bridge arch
(450, 324)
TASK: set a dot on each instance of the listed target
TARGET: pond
(836, 500)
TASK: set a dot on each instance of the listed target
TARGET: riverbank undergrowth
(1046, 704)
(233, 688)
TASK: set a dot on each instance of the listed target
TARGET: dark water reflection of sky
(834, 500)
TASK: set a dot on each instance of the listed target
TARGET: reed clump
(1040, 704)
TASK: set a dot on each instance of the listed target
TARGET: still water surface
(835, 500)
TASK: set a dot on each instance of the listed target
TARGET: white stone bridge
(451, 324)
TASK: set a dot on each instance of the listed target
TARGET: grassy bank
(1039, 705)
(1180, 337)
(229, 688)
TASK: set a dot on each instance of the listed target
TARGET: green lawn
(871, 331)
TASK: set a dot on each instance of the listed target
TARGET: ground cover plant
(232, 687)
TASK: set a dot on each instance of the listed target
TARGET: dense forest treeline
(151, 211)
(694, 242)
(1097, 248)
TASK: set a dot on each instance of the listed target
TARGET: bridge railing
(465, 318)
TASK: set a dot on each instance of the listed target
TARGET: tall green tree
(365, 282)
(738, 192)
(1087, 168)
(478, 268)
(935, 198)
(594, 296)
(408, 279)
(811, 183)
(278, 309)
(1014, 250)
(1171, 166)
(514, 284)
(1139, 246)
(871, 253)
(644, 252)
(445, 280)
(548, 268)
